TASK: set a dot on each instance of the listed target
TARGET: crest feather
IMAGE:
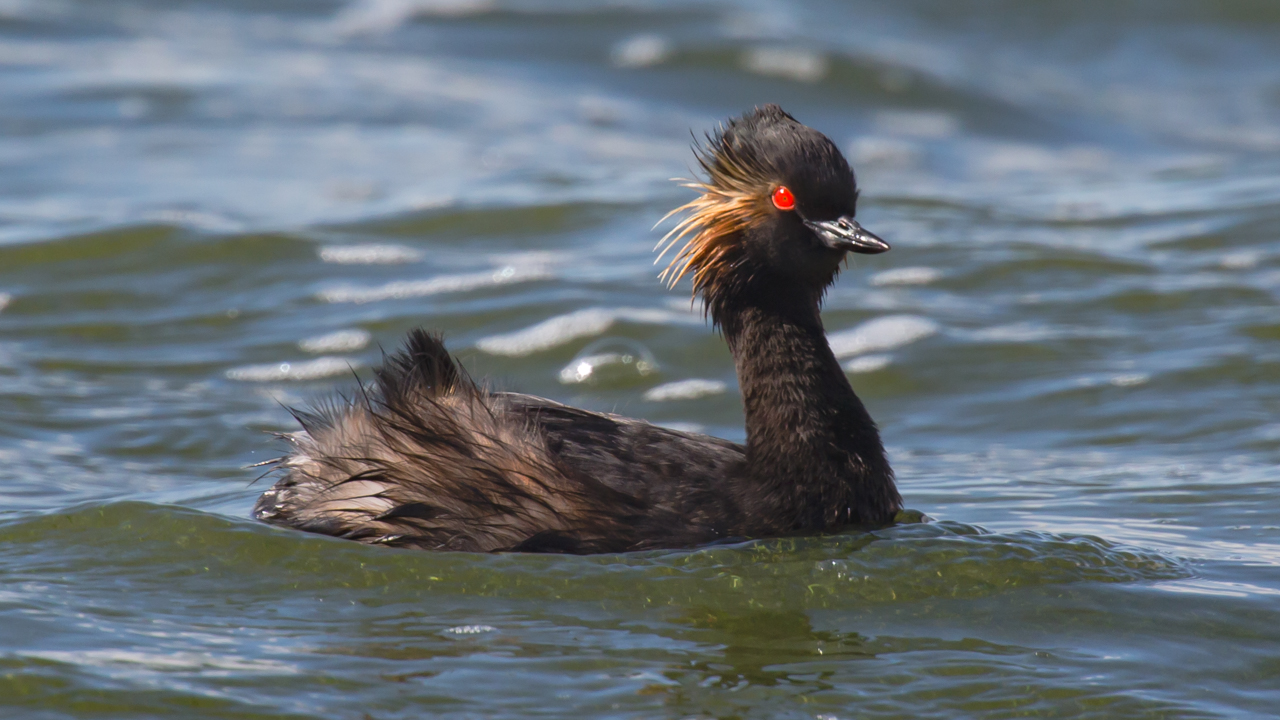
(733, 197)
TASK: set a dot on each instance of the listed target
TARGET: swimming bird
(428, 458)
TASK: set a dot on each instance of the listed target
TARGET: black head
(778, 207)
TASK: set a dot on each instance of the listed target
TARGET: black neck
(814, 455)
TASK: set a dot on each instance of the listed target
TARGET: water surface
(210, 210)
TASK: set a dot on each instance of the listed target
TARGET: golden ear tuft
(735, 196)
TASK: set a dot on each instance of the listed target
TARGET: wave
(905, 563)
(440, 284)
(562, 329)
(884, 333)
(317, 369)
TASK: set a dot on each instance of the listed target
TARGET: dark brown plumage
(426, 458)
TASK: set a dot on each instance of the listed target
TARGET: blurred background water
(209, 210)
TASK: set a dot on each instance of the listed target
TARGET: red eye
(783, 199)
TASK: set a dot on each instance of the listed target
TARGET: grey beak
(846, 234)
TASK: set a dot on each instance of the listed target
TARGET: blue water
(209, 210)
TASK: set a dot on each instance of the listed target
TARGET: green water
(209, 210)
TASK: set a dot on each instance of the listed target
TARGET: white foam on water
(549, 333)
(196, 220)
(1118, 380)
(1016, 332)
(868, 363)
(166, 661)
(369, 254)
(685, 390)
(381, 16)
(906, 276)
(5, 298)
(1130, 379)
(435, 286)
(309, 370)
(790, 63)
(561, 329)
(641, 51)
(471, 629)
(1241, 260)
(340, 341)
(884, 333)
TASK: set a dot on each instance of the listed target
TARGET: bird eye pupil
(783, 199)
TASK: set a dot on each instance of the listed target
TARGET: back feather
(426, 458)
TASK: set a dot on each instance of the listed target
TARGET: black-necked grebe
(428, 459)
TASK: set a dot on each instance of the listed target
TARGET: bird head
(776, 211)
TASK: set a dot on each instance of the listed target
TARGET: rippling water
(211, 209)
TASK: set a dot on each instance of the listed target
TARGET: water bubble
(611, 361)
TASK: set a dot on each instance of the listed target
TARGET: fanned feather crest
(734, 196)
